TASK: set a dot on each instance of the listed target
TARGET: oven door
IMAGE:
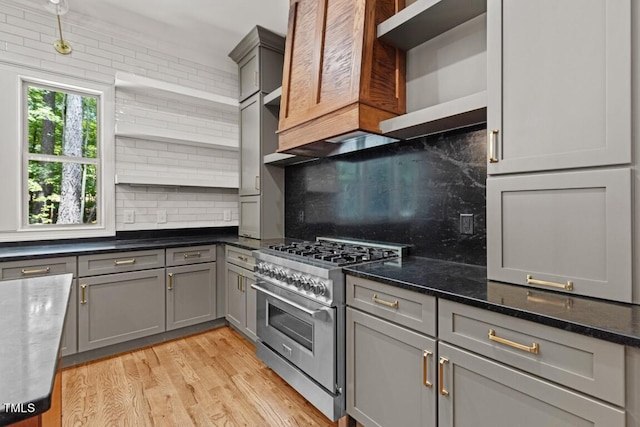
(300, 330)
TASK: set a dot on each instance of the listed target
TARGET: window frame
(19, 229)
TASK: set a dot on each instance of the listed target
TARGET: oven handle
(312, 313)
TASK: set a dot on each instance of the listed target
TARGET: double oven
(301, 315)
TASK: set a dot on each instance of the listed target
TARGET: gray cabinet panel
(92, 265)
(120, 307)
(386, 372)
(37, 267)
(191, 294)
(236, 307)
(484, 393)
(251, 308)
(562, 227)
(190, 255)
(582, 363)
(250, 160)
(249, 74)
(559, 83)
(249, 216)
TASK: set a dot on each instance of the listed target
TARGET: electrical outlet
(129, 216)
(227, 214)
(162, 217)
(466, 224)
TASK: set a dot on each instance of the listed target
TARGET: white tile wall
(99, 51)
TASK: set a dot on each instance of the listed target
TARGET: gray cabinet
(191, 294)
(391, 373)
(114, 308)
(559, 84)
(475, 391)
(240, 297)
(259, 57)
(45, 267)
(566, 231)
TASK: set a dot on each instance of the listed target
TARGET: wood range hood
(339, 80)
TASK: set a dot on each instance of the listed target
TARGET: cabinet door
(250, 160)
(559, 84)
(69, 344)
(563, 231)
(391, 373)
(191, 294)
(249, 217)
(120, 307)
(251, 306)
(236, 305)
(475, 391)
(249, 74)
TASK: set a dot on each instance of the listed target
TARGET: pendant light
(59, 7)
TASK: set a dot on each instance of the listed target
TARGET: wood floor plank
(209, 379)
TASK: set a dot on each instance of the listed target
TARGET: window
(58, 164)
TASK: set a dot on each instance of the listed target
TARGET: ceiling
(204, 25)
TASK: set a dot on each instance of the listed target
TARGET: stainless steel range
(301, 313)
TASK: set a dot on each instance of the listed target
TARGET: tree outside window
(61, 157)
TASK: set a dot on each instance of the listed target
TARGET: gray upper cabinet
(475, 391)
(567, 231)
(250, 159)
(191, 294)
(559, 84)
(249, 75)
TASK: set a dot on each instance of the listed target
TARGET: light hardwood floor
(209, 379)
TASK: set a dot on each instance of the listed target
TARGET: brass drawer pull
(425, 355)
(243, 258)
(170, 281)
(125, 261)
(37, 271)
(256, 184)
(377, 300)
(192, 255)
(83, 296)
(566, 286)
(443, 361)
(493, 146)
(533, 348)
(255, 78)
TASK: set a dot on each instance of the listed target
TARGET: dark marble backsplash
(409, 192)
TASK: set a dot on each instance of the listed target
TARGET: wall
(411, 192)
(26, 37)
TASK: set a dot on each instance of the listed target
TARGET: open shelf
(273, 99)
(173, 91)
(426, 19)
(458, 113)
(282, 159)
(177, 182)
(132, 130)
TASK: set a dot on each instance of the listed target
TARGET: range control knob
(319, 289)
(297, 280)
(306, 285)
(281, 274)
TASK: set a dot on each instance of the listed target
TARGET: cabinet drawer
(240, 257)
(190, 255)
(583, 363)
(562, 231)
(94, 265)
(37, 267)
(411, 309)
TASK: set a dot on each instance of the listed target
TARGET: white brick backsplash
(99, 51)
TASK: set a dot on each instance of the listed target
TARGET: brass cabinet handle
(125, 261)
(240, 287)
(377, 300)
(257, 182)
(242, 258)
(170, 281)
(533, 348)
(83, 296)
(192, 255)
(425, 355)
(493, 146)
(37, 271)
(443, 361)
(566, 302)
(566, 286)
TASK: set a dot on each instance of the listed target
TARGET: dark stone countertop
(467, 284)
(32, 313)
(15, 253)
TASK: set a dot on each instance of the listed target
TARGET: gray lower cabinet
(191, 294)
(567, 231)
(240, 297)
(476, 391)
(391, 373)
(114, 308)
